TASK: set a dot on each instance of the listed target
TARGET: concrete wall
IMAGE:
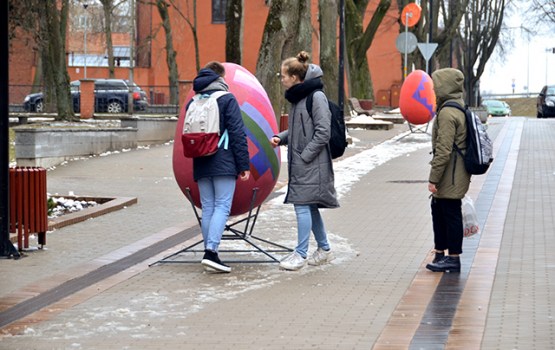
(49, 146)
(151, 131)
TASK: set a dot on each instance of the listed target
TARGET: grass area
(522, 107)
(12, 145)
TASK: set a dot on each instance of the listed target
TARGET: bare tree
(108, 6)
(287, 31)
(328, 10)
(482, 26)
(170, 52)
(192, 24)
(53, 24)
(24, 15)
(466, 31)
(543, 10)
(359, 40)
(234, 31)
(446, 18)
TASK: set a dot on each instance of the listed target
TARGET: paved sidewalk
(377, 292)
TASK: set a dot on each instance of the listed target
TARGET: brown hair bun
(303, 56)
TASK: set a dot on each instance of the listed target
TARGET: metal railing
(162, 99)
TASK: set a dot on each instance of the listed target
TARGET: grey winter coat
(311, 177)
(448, 172)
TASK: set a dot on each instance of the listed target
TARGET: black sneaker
(212, 260)
(447, 264)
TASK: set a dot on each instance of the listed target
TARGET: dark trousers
(447, 224)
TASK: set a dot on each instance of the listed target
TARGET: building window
(218, 11)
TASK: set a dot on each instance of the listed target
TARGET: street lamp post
(547, 51)
(85, 5)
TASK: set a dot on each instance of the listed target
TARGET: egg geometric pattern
(417, 100)
(260, 125)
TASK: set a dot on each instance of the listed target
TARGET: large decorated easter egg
(260, 125)
(417, 100)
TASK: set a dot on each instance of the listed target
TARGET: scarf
(299, 91)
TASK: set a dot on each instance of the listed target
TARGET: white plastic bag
(470, 220)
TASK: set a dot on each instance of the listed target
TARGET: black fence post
(7, 249)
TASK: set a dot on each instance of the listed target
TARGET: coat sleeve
(321, 119)
(233, 122)
(283, 137)
(446, 131)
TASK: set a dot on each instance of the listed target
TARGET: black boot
(447, 264)
(438, 257)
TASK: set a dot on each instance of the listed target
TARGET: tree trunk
(234, 31)
(107, 6)
(358, 43)
(287, 31)
(452, 12)
(328, 10)
(57, 77)
(192, 25)
(170, 52)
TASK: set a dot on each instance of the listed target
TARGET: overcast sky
(527, 62)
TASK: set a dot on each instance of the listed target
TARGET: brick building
(150, 67)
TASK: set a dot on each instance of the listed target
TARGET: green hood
(448, 85)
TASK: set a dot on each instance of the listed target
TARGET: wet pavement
(99, 284)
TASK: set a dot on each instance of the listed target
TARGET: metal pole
(7, 249)
(546, 56)
(131, 58)
(528, 68)
(429, 66)
(341, 73)
(85, 40)
(406, 45)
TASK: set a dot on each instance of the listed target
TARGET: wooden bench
(354, 103)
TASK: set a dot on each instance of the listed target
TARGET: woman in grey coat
(310, 167)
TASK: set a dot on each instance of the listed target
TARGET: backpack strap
(460, 108)
(224, 139)
(309, 100)
(218, 94)
(455, 105)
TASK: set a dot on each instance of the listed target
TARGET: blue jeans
(216, 195)
(309, 218)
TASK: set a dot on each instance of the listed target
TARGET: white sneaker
(293, 262)
(321, 257)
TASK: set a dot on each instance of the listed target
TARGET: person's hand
(432, 187)
(274, 141)
(244, 176)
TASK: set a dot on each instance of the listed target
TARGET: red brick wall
(87, 98)
(383, 57)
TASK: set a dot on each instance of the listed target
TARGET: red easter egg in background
(417, 99)
(260, 125)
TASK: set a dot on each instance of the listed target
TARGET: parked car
(110, 96)
(546, 102)
(497, 108)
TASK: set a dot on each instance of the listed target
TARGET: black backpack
(479, 147)
(338, 139)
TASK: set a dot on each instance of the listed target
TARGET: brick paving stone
(381, 236)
